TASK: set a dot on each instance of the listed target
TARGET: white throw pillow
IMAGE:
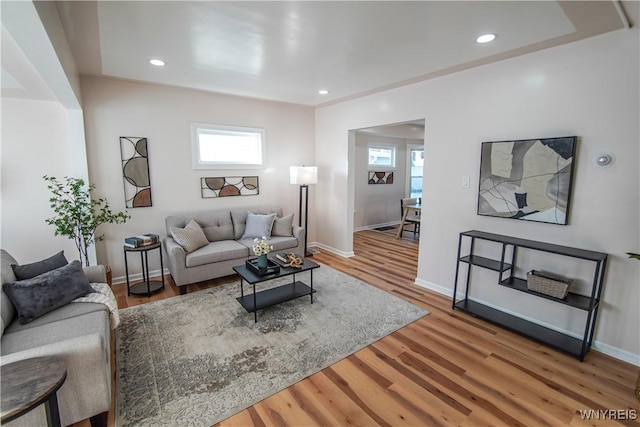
(190, 237)
(283, 226)
(258, 226)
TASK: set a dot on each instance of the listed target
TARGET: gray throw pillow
(258, 226)
(39, 295)
(283, 226)
(27, 271)
(191, 237)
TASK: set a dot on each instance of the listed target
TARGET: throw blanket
(103, 295)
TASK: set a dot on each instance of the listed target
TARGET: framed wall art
(527, 180)
(225, 186)
(135, 171)
(380, 177)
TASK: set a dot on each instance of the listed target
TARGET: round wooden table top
(29, 383)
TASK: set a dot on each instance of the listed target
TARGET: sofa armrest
(87, 390)
(177, 259)
(96, 273)
(299, 232)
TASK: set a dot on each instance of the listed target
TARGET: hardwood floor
(445, 369)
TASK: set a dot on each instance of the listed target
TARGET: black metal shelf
(532, 330)
(273, 296)
(486, 263)
(574, 300)
(587, 303)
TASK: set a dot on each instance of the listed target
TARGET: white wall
(378, 204)
(164, 115)
(35, 142)
(588, 88)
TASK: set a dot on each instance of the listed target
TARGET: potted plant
(77, 214)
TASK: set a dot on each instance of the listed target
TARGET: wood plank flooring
(446, 369)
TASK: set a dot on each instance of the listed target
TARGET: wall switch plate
(465, 182)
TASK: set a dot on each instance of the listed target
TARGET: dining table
(408, 209)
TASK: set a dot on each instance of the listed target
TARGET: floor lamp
(304, 176)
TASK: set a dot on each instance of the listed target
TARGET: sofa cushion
(68, 311)
(190, 237)
(283, 226)
(239, 218)
(217, 251)
(44, 293)
(216, 225)
(27, 271)
(258, 226)
(56, 332)
(278, 243)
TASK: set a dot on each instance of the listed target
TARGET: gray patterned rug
(199, 358)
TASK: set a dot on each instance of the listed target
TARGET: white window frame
(392, 147)
(200, 128)
(410, 148)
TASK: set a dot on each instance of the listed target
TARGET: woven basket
(548, 284)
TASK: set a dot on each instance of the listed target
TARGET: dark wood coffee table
(28, 383)
(279, 294)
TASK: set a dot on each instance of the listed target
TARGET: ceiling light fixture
(486, 38)
(157, 62)
(323, 92)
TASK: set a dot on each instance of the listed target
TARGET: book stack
(140, 241)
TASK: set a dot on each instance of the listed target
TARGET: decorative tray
(272, 267)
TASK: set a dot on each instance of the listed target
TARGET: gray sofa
(226, 248)
(79, 334)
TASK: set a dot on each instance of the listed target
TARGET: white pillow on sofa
(283, 226)
(258, 226)
(191, 237)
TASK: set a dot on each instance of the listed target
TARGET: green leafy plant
(77, 215)
(632, 255)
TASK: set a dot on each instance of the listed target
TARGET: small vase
(262, 261)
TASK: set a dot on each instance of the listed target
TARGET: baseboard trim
(335, 251)
(374, 226)
(137, 276)
(599, 346)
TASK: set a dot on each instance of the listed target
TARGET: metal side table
(147, 286)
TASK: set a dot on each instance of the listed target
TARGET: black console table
(588, 303)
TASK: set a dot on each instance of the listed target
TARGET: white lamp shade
(303, 175)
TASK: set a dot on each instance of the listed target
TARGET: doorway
(379, 185)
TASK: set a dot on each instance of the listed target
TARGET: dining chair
(413, 218)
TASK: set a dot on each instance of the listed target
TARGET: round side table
(28, 383)
(147, 286)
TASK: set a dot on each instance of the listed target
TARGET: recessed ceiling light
(157, 62)
(323, 92)
(486, 38)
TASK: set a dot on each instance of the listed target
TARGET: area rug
(199, 358)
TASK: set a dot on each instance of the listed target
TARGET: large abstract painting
(224, 186)
(527, 179)
(135, 171)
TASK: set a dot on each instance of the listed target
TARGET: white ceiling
(287, 51)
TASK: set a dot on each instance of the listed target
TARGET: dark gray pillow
(27, 271)
(44, 293)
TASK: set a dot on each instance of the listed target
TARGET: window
(230, 147)
(416, 165)
(381, 156)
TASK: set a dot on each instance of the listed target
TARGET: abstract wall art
(380, 177)
(135, 171)
(224, 186)
(527, 179)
